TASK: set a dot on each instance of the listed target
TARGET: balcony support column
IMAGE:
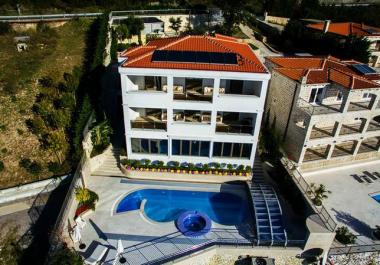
(345, 102)
(366, 124)
(337, 129)
(331, 150)
(358, 143)
(375, 102)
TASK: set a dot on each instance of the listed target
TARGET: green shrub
(3, 127)
(65, 256)
(4, 150)
(67, 101)
(32, 167)
(5, 28)
(86, 197)
(344, 236)
(20, 131)
(54, 167)
(1, 166)
(36, 125)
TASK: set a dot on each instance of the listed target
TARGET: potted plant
(344, 236)
(86, 200)
(319, 193)
(376, 233)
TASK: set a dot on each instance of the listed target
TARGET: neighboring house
(346, 29)
(152, 25)
(327, 110)
(193, 99)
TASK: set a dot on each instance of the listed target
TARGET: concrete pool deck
(350, 202)
(106, 228)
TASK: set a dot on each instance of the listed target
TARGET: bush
(36, 125)
(5, 28)
(54, 167)
(32, 167)
(1, 166)
(344, 236)
(86, 197)
(65, 256)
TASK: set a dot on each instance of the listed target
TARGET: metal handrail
(47, 17)
(148, 125)
(308, 193)
(234, 128)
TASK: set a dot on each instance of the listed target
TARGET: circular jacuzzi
(193, 223)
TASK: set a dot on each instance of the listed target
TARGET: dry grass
(60, 53)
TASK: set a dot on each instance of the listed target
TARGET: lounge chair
(80, 222)
(377, 174)
(370, 175)
(355, 176)
(366, 178)
(97, 255)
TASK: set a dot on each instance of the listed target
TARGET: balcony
(318, 108)
(359, 106)
(373, 126)
(235, 122)
(152, 119)
(196, 89)
(322, 132)
(240, 87)
(148, 83)
(370, 145)
(316, 153)
(344, 149)
(189, 116)
(351, 128)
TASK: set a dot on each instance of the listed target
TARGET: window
(235, 150)
(153, 82)
(316, 95)
(193, 84)
(190, 148)
(339, 96)
(149, 146)
(367, 96)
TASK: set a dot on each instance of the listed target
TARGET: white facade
(192, 119)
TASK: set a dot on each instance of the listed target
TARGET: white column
(337, 130)
(211, 149)
(357, 146)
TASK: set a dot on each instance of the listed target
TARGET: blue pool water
(167, 205)
(376, 197)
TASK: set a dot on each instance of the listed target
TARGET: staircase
(110, 166)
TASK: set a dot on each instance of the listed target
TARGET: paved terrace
(350, 202)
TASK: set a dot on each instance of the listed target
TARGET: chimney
(326, 26)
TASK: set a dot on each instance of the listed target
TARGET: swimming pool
(376, 197)
(167, 205)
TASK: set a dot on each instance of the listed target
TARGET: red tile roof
(347, 29)
(320, 70)
(141, 57)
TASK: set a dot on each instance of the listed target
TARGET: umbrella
(120, 248)
(76, 234)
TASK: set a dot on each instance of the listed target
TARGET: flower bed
(187, 168)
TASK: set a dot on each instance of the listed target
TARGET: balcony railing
(371, 145)
(317, 109)
(314, 154)
(234, 128)
(343, 150)
(161, 125)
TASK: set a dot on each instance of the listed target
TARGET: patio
(144, 239)
(350, 202)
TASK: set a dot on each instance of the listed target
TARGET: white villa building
(195, 99)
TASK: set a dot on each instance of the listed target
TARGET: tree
(56, 141)
(356, 48)
(134, 25)
(122, 32)
(175, 24)
(319, 193)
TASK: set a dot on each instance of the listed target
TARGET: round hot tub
(193, 223)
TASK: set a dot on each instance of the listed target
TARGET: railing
(317, 109)
(308, 194)
(373, 126)
(357, 106)
(234, 128)
(148, 125)
(354, 249)
(68, 203)
(159, 12)
(47, 17)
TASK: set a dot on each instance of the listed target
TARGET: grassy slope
(59, 54)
